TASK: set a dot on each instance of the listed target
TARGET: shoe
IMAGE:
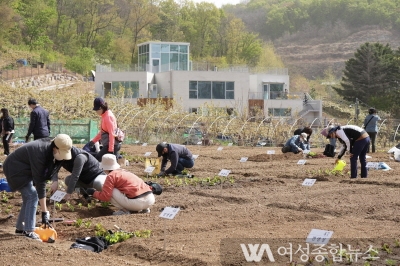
(33, 235)
(19, 232)
(120, 212)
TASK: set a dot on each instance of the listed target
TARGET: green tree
(370, 75)
(83, 62)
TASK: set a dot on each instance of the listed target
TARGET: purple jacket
(40, 123)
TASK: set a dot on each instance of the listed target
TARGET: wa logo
(255, 254)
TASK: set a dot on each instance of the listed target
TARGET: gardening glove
(46, 218)
(91, 144)
(90, 191)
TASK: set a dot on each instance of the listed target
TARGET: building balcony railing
(277, 95)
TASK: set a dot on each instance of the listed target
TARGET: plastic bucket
(340, 165)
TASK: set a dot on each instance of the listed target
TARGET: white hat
(303, 135)
(64, 144)
(109, 162)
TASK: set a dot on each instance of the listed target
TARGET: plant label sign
(199, 143)
(230, 144)
(58, 195)
(195, 156)
(149, 169)
(144, 144)
(147, 154)
(169, 213)
(308, 182)
(271, 152)
(137, 142)
(219, 148)
(243, 159)
(306, 151)
(317, 236)
(372, 165)
(224, 172)
(263, 143)
(302, 162)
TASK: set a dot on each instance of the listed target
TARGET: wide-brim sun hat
(109, 162)
(63, 143)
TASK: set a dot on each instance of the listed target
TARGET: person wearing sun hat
(124, 189)
(35, 163)
(295, 144)
(108, 127)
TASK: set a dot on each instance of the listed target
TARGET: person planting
(295, 144)
(355, 140)
(179, 156)
(35, 163)
(124, 189)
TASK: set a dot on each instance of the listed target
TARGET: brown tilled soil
(261, 201)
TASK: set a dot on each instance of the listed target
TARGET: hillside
(313, 56)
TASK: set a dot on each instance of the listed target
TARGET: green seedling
(80, 205)
(367, 263)
(105, 204)
(59, 205)
(70, 206)
(142, 233)
(390, 262)
(386, 247)
(396, 243)
(87, 224)
(8, 211)
(78, 223)
(89, 206)
(4, 198)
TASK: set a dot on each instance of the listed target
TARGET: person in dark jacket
(179, 156)
(85, 173)
(355, 140)
(308, 131)
(371, 126)
(35, 162)
(7, 130)
(295, 144)
(39, 124)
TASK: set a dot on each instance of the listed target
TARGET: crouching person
(295, 144)
(124, 189)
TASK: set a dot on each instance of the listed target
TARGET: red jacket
(126, 182)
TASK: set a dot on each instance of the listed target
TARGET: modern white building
(164, 70)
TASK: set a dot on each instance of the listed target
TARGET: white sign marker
(137, 142)
(309, 182)
(271, 152)
(149, 169)
(230, 144)
(306, 151)
(302, 162)
(224, 172)
(199, 143)
(169, 213)
(144, 144)
(243, 159)
(195, 156)
(219, 148)
(372, 165)
(263, 143)
(58, 195)
(318, 236)
(147, 154)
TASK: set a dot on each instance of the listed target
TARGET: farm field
(262, 198)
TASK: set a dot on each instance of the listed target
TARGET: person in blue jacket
(295, 144)
(371, 126)
(39, 124)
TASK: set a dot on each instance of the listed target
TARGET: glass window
(164, 61)
(173, 48)
(279, 111)
(173, 61)
(183, 63)
(193, 85)
(140, 49)
(156, 55)
(130, 89)
(155, 48)
(183, 49)
(165, 48)
(230, 95)
(204, 89)
(230, 86)
(276, 91)
(192, 94)
(218, 90)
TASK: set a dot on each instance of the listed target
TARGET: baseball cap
(64, 145)
(160, 147)
(97, 103)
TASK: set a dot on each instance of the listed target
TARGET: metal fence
(16, 71)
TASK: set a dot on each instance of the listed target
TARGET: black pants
(6, 143)
(372, 136)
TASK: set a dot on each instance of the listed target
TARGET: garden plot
(262, 198)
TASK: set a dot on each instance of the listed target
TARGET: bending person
(179, 156)
(295, 144)
(124, 189)
(355, 140)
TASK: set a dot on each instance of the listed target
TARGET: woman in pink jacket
(108, 127)
(124, 189)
